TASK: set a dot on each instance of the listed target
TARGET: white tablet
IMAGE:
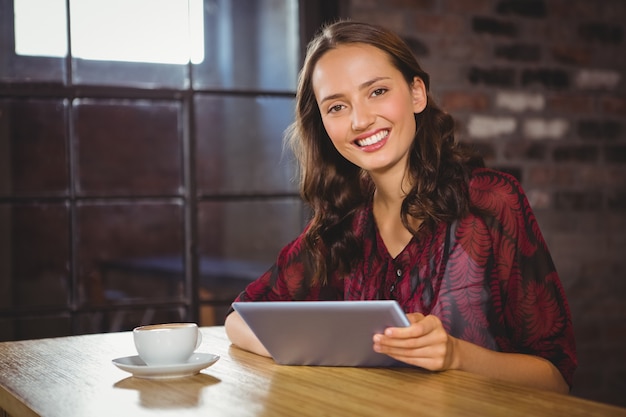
(324, 333)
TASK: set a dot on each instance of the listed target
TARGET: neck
(391, 188)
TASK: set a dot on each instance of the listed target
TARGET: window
(231, 44)
(129, 175)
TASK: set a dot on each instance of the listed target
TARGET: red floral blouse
(490, 278)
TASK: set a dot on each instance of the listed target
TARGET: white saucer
(136, 366)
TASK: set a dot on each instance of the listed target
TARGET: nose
(362, 117)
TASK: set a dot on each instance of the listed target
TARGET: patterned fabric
(489, 278)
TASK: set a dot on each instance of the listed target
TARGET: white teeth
(373, 139)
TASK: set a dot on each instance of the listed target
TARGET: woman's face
(367, 107)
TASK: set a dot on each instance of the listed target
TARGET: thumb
(415, 317)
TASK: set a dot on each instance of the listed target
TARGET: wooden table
(74, 376)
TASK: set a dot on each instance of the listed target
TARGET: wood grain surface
(74, 376)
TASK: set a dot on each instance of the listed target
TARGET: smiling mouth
(373, 139)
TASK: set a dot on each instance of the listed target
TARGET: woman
(401, 212)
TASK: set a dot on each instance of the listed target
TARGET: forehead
(351, 64)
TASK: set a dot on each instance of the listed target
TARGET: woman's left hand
(425, 343)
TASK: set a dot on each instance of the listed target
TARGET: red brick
(571, 55)
(573, 8)
(413, 4)
(518, 52)
(524, 149)
(540, 176)
(615, 154)
(494, 27)
(570, 103)
(470, 50)
(568, 176)
(613, 105)
(550, 78)
(553, 176)
(528, 8)
(599, 129)
(565, 176)
(575, 153)
(590, 175)
(616, 177)
(601, 33)
(494, 76)
(440, 24)
(458, 100)
(467, 6)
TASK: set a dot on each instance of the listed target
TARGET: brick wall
(538, 86)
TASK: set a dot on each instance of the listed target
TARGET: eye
(336, 108)
(379, 92)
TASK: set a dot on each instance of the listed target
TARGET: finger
(413, 340)
(420, 347)
(432, 357)
(412, 317)
(420, 326)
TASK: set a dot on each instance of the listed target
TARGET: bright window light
(155, 31)
(40, 28)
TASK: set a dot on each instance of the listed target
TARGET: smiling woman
(402, 212)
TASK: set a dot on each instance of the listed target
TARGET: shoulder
(494, 180)
(493, 190)
(291, 251)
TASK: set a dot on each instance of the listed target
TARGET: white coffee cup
(168, 343)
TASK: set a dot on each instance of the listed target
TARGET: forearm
(519, 368)
(240, 335)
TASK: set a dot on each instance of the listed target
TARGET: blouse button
(399, 273)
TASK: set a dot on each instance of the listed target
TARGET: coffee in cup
(168, 343)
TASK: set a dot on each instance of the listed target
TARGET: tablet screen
(325, 333)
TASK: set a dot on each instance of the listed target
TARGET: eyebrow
(363, 86)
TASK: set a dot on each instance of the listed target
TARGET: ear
(418, 92)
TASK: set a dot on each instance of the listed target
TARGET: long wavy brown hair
(335, 188)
